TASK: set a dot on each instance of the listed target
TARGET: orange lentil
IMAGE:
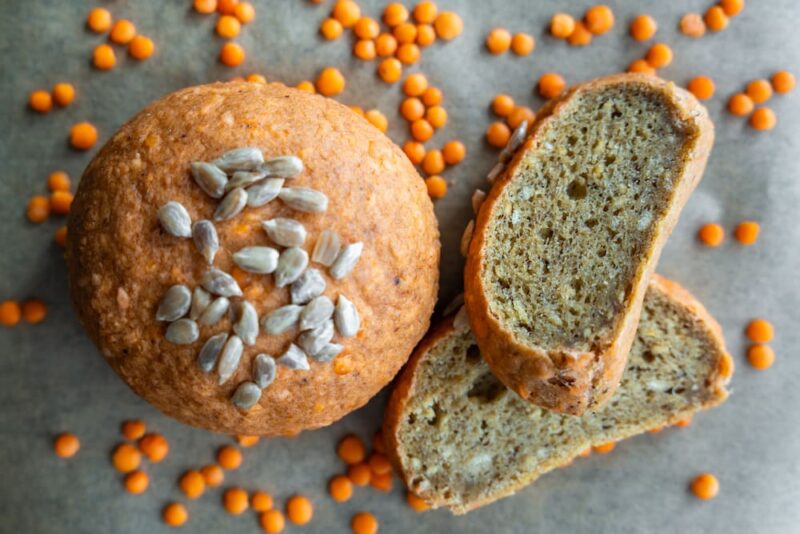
(340, 488)
(99, 20)
(347, 12)
(390, 70)
(379, 464)
(641, 66)
(330, 82)
(394, 14)
(436, 116)
(384, 482)
(599, 19)
(498, 41)
(122, 32)
(740, 104)
(377, 119)
(760, 331)
(342, 365)
(136, 482)
(256, 78)
(228, 26)
(432, 96)
(643, 27)
(364, 523)
(175, 514)
(245, 12)
(385, 45)
(425, 12)
(229, 457)
(205, 7)
(692, 25)
(502, 105)
(551, 85)
(154, 446)
(299, 509)
(351, 449)
(412, 109)
(519, 114)
(141, 47)
(522, 44)
(34, 311)
(330, 29)
(705, 486)
(585, 453)
(726, 366)
(761, 357)
(416, 504)
(247, 441)
(41, 101)
(133, 429)
(421, 130)
(448, 25)
(58, 181)
(415, 151)
(701, 87)
(235, 501)
(746, 232)
(454, 152)
(783, 81)
(359, 474)
(659, 55)
(126, 458)
(63, 94)
(759, 91)
(67, 444)
(227, 7)
(261, 501)
(763, 119)
(732, 7)
(683, 423)
(306, 86)
(604, 448)
(415, 84)
(272, 521)
(715, 18)
(580, 36)
(60, 202)
(232, 54)
(192, 484)
(656, 430)
(426, 35)
(437, 188)
(497, 134)
(38, 209)
(366, 28)
(61, 237)
(408, 53)
(364, 49)
(213, 475)
(103, 57)
(711, 234)
(562, 25)
(433, 162)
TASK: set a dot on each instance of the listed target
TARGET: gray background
(52, 379)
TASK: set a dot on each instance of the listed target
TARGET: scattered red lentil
(103, 57)
(66, 445)
(412, 109)
(604, 448)
(683, 423)
(502, 105)
(377, 119)
(272, 521)
(385, 45)
(395, 13)
(643, 27)
(760, 331)
(136, 482)
(746, 232)
(408, 53)
(299, 509)
(364, 50)
(759, 91)
(228, 26)
(379, 464)
(154, 446)
(415, 151)
(330, 29)
(364, 523)
(415, 84)
(205, 7)
(437, 188)
(384, 482)
(63, 94)
(126, 458)
(432, 96)
(192, 484)
(175, 514)
(732, 7)
(232, 54)
(433, 162)
(351, 449)
(359, 474)
(551, 85)
(133, 429)
(705, 486)
(227, 7)
(641, 66)
(436, 116)
(366, 28)
(122, 32)
(330, 82)
(715, 18)
(229, 457)
(726, 366)
(60, 202)
(711, 234)
(692, 25)
(390, 70)
(306, 87)
(497, 134)
(761, 357)
(256, 78)
(99, 20)
(426, 35)
(61, 237)
(347, 12)
(783, 81)
(245, 12)
(416, 504)
(83, 135)
(599, 19)
(454, 152)
(562, 25)
(498, 41)
(247, 441)
(519, 114)
(740, 104)
(425, 12)
(38, 209)
(235, 501)
(580, 36)
(34, 311)
(701, 87)
(261, 501)
(448, 25)
(659, 55)
(41, 101)
(522, 44)
(763, 119)
(340, 488)
(421, 130)
(213, 475)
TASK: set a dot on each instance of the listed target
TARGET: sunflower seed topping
(214, 311)
(259, 260)
(312, 341)
(318, 310)
(175, 303)
(264, 370)
(246, 325)
(204, 234)
(240, 159)
(461, 320)
(230, 206)
(264, 192)
(346, 317)
(346, 260)
(477, 200)
(285, 232)
(498, 168)
(282, 319)
(229, 359)
(210, 178)
(310, 285)
(246, 395)
(200, 301)
(283, 166)
(244, 179)
(175, 220)
(291, 264)
(304, 199)
(328, 352)
(514, 142)
(208, 355)
(326, 249)
(220, 283)
(182, 332)
(466, 237)
(294, 358)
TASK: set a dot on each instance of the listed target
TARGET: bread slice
(460, 439)
(566, 241)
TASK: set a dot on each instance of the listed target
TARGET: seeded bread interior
(461, 439)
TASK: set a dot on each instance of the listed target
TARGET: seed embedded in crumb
(304, 199)
(246, 325)
(200, 301)
(346, 260)
(208, 355)
(312, 341)
(346, 317)
(258, 260)
(466, 237)
(310, 285)
(477, 199)
(204, 235)
(240, 159)
(282, 319)
(328, 352)
(210, 178)
(214, 311)
(182, 332)
(283, 167)
(315, 312)
(291, 264)
(246, 395)
(264, 192)
(220, 283)
(229, 359)
(230, 206)
(175, 219)
(264, 370)
(327, 247)
(175, 304)
(285, 232)
(294, 358)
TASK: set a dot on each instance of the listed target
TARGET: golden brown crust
(534, 372)
(121, 263)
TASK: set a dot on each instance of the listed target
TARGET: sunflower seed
(264, 192)
(214, 311)
(461, 320)
(304, 199)
(495, 172)
(240, 159)
(208, 355)
(259, 260)
(200, 301)
(326, 249)
(346, 260)
(454, 305)
(291, 264)
(285, 232)
(230, 206)
(312, 341)
(466, 237)
(174, 304)
(210, 178)
(346, 317)
(229, 358)
(264, 370)
(328, 352)
(204, 234)
(246, 325)
(477, 200)
(182, 332)
(283, 166)
(246, 395)
(514, 142)
(310, 285)
(318, 310)
(282, 319)
(244, 179)
(220, 283)
(294, 358)
(175, 220)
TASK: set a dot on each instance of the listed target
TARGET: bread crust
(404, 390)
(536, 373)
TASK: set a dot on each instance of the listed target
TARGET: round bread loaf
(122, 261)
